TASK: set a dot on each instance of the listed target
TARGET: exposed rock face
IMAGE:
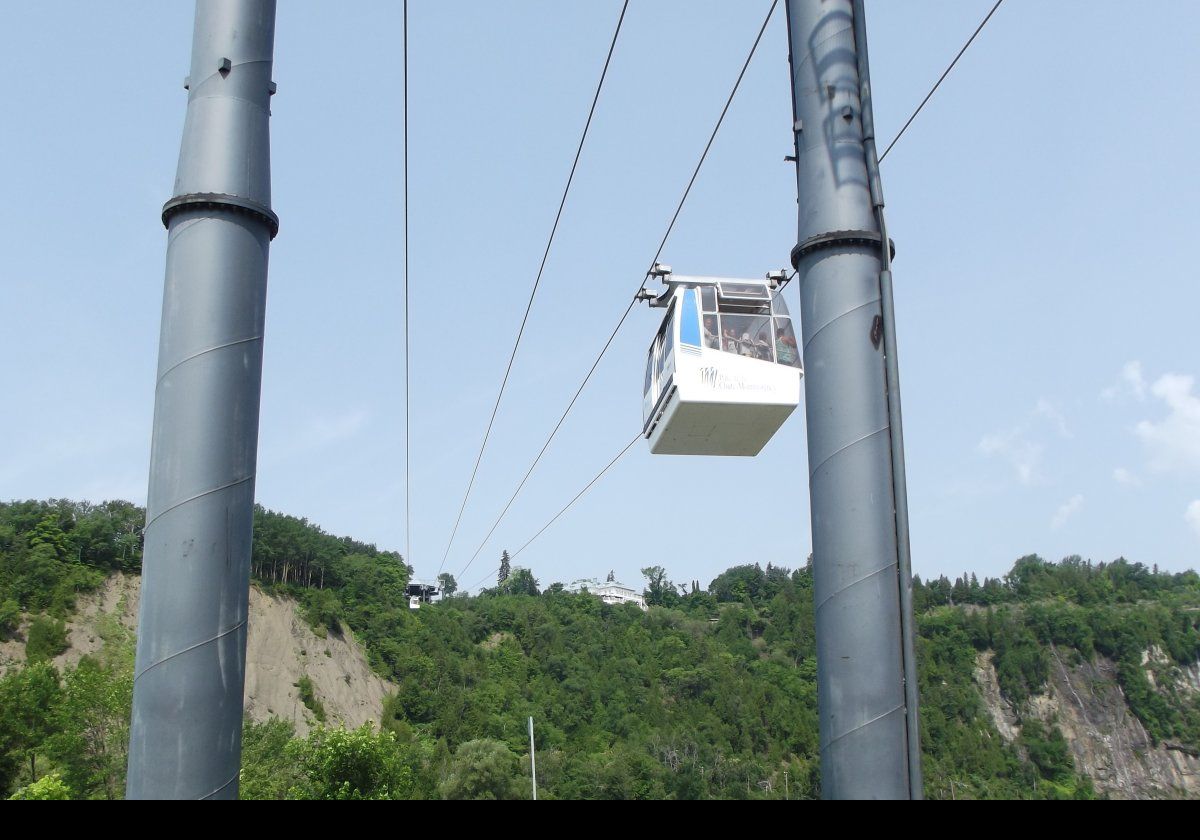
(280, 649)
(1108, 742)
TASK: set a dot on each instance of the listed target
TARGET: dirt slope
(279, 651)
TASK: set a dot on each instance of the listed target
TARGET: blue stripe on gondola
(689, 320)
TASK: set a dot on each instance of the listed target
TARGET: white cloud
(1125, 477)
(1015, 447)
(1067, 510)
(1049, 411)
(1020, 445)
(1131, 383)
(1192, 516)
(1173, 443)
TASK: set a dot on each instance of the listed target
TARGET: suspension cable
(941, 78)
(567, 506)
(633, 302)
(537, 281)
(407, 344)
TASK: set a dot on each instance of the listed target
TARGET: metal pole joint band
(222, 201)
(837, 238)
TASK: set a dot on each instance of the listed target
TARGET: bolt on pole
(189, 676)
(865, 674)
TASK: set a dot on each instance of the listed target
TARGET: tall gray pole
(185, 736)
(532, 759)
(865, 669)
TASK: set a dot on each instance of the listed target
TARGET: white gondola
(420, 593)
(723, 372)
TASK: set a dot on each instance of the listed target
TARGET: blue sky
(1042, 205)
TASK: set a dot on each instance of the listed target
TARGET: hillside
(1108, 744)
(1059, 680)
(281, 649)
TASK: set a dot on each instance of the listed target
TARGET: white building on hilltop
(610, 591)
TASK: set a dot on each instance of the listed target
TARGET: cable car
(421, 593)
(723, 372)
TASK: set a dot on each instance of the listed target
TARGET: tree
(483, 769)
(447, 584)
(49, 534)
(504, 568)
(92, 723)
(10, 617)
(45, 639)
(521, 582)
(28, 698)
(323, 609)
(50, 787)
(660, 592)
(351, 764)
(268, 772)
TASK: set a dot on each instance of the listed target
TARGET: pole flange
(223, 201)
(837, 238)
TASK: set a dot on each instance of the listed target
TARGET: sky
(1042, 205)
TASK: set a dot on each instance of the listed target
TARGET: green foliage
(92, 722)
(50, 551)
(447, 584)
(483, 769)
(1022, 665)
(29, 698)
(711, 694)
(963, 756)
(352, 764)
(10, 617)
(268, 772)
(660, 592)
(322, 610)
(520, 582)
(1047, 750)
(308, 697)
(1074, 580)
(49, 787)
(45, 639)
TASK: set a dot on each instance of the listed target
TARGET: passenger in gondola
(762, 350)
(746, 346)
(729, 342)
(785, 347)
(710, 332)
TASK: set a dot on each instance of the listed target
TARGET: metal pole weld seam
(837, 318)
(865, 577)
(833, 455)
(182, 502)
(209, 641)
(208, 796)
(862, 725)
(200, 353)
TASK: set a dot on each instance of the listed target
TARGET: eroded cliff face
(1108, 742)
(280, 649)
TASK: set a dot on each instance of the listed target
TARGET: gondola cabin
(421, 593)
(723, 372)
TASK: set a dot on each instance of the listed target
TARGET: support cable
(407, 344)
(537, 281)
(941, 78)
(625, 315)
(564, 509)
